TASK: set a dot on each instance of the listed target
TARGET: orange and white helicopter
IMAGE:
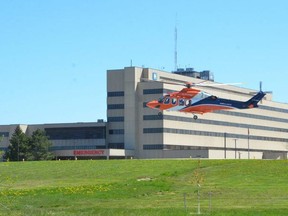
(195, 101)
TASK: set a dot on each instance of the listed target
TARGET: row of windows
(156, 91)
(115, 94)
(153, 91)
(76, 133)
(116, 131)
(153, 146)
(181, 147)
(214, 134)
(116, 119)
(172, 147)
(213, 122)
(273, 109)
(174, 101)
(110, 145)
(158, 117)
(72, 147)
(253, 116)
(115, 106)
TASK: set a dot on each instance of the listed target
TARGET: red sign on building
(88, 152)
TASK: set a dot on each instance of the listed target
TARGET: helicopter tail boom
(253, 102)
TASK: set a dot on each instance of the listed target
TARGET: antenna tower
(175, 48)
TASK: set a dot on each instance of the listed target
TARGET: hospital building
(132, 130)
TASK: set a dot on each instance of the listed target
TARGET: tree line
(29, 148)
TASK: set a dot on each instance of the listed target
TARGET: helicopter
(195, 101)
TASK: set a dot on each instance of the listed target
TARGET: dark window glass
(152, 117)
(174, 101)
(115, 106)
(116, 119)
(116, 131)
(153, 91)
(76, 133)
(181, 102)
(153, 146)
(76, 147)
(153, 130)
(115, 94)
(156, 91)
(166, 100)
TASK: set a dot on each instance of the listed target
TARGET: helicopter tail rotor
(260, 90)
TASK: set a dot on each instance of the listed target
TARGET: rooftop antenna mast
(175, 48)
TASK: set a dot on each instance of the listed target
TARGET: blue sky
(54, 54)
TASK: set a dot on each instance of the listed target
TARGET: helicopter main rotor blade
(217, 84)
(190, 84)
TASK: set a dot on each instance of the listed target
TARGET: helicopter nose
(153, 104)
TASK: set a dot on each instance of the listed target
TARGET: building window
(153, 146)
(212, 134)
(115, 106)
(276, 109)
(214, 122)
(76, 147)
(153, 91)
(76, 133)
(253, 116)
(153, 130)
(153, 117)
(156, 91)
(116, 119)
(116, 131)
(115, 94)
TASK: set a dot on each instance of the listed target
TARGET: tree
(39, 145)
(18, 147)
(23, 147)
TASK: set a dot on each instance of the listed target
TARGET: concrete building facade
(260, 133)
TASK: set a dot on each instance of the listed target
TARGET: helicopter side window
(181, 102)
(167, 100)
(174, 101)
(188, 102)
(160, 100)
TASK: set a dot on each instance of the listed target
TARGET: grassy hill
(144, 187)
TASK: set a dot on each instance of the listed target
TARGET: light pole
(248, 143)
(235, 140)
(225, 135)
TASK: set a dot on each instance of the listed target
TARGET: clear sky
(54, 54)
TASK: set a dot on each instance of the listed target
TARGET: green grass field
(143, 187)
